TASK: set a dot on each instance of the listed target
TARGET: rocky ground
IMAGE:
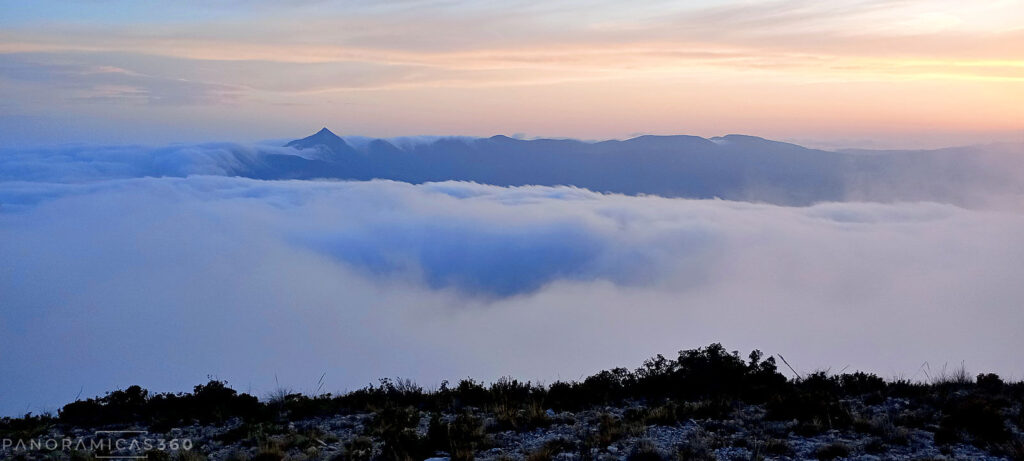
(707, 404)
(606, 433)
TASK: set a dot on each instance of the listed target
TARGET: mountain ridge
(669, 165)
(732, 167)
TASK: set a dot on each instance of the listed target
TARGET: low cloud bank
(166, 281)
(733, 167)
(84, 163)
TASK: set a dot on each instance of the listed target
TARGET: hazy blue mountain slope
(731, 167)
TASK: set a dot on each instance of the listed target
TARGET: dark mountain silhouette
(325, 140)
(734, 167)
(329, 147)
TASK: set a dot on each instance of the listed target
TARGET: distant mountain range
(734, 167)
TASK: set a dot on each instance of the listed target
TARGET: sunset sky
(849, 73)
(156, 230)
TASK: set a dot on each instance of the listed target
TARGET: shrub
(772, 446)
(644, 451)
(875, 445)
(550, 449)
(189, 456)
(885, 428)
(860, 383)
(211, 402)
(510, 391)
(816, 411)
(663, 415)
(540, 454)
(609, 429)
(461, 437)
(26, 427)
(978, 416)
(699, 446)
(234, 455)
(989, 382)
(565, 396)
(704, 409)
(470, 393)
(777, 447)
(956, 378)
(120, 406)
(508, 417)
(608, 386)
(832, 451)
(268, 455)
(396, 428)
(357, 449)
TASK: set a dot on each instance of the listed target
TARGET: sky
(845, 73)
(133, 250)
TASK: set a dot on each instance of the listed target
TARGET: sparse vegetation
(709, 391)
(645, 451)
(699, 447)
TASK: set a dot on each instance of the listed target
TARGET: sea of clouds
(156, 267)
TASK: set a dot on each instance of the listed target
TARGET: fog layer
(165, 282)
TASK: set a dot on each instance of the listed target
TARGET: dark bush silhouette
(990, 382)
(211, 402)
(121, 406)
(977, 416)
(460, 437)
(26, 427)
(814, 401)
(396, 427)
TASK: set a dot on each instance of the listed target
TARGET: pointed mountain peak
(320, 137)
(324, 134)
(325, 138)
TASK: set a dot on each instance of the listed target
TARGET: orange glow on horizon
(716, 68)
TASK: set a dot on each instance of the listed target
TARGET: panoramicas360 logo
(102, 444)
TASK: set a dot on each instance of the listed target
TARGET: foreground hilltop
(705, 404)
